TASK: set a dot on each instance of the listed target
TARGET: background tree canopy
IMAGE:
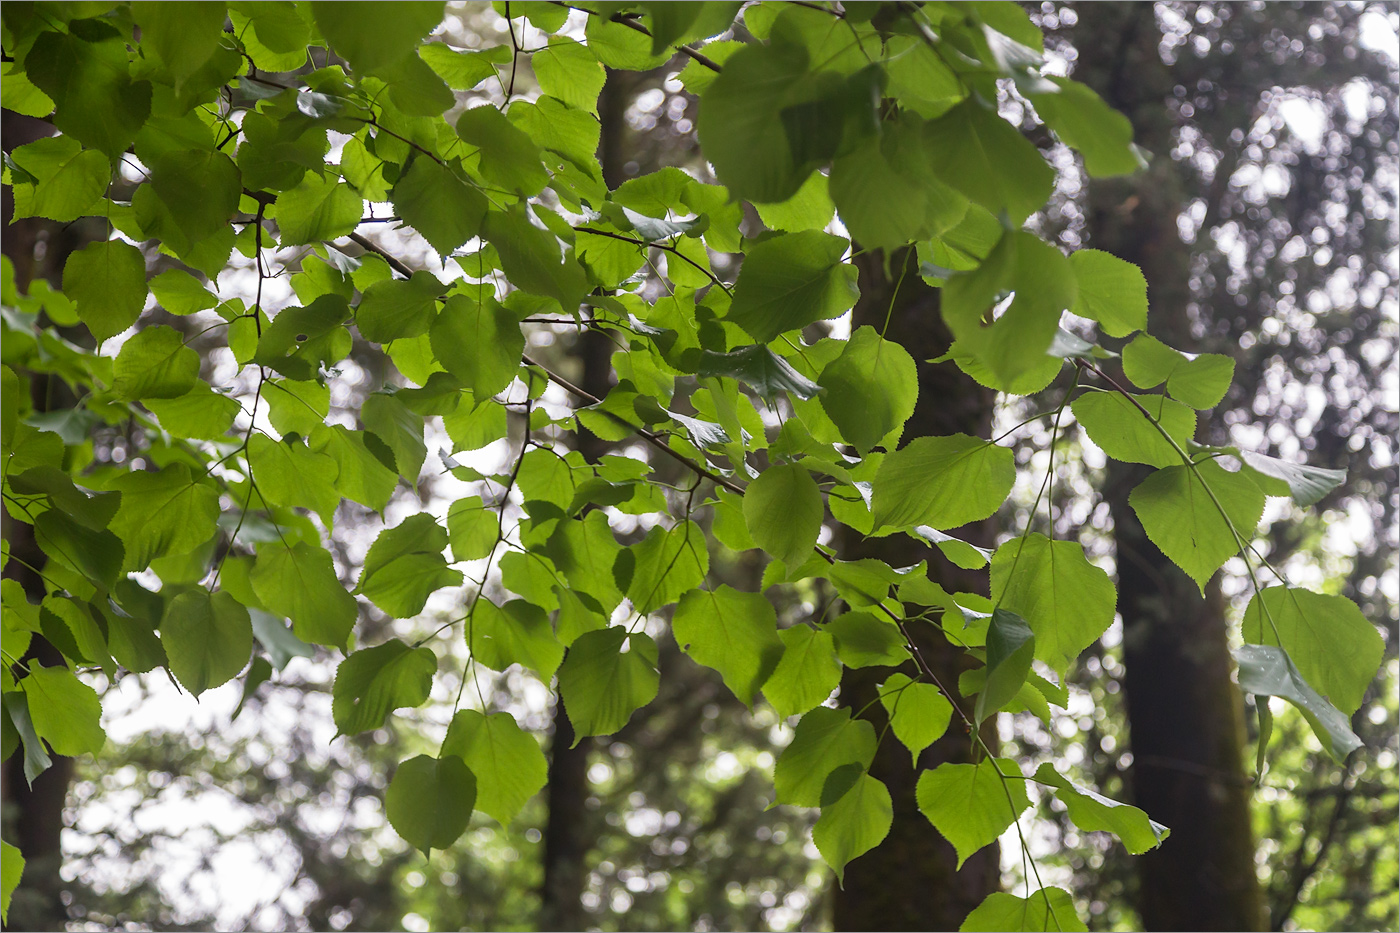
(633, 465)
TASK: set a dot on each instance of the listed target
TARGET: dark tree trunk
(911, 880)
(566, 835)
(37, 248)
(1185, 715)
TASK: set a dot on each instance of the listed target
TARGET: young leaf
(299, 583)
(1333, 645)
(1067, 601)
(825, 739)
(1049, 910)
(65, 711)
(1267, 671)
(107, 282)
(373, 682)
(870, 389)
(516, 633)
(430, 800)
(942, 482)
(791, 281)
(601, 685)
(783, 511)
(856, 817)
(1093, 812)
(1123, 432)
(971, 805)
(208, 638)
(735, 633)
(509, 766)
(919, 712)
(806, 674)
(1179, 514)
(1010, 646)
(405, 566)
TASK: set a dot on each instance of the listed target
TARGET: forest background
(1264, 222)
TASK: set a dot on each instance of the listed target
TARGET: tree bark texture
(911, 880)
(1185, 714)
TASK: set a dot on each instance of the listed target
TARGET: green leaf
(1067, 601)
(509, 766)
(975, 151)
(862, 640)
(740, 124)
(65, 711)
(870, 389)
(429, 801)
(1123, 432)
(1267, 671)
(183, 35)
(919, 713)
(662, 566)
(279, 642)
(86, 73)
(472, 529)
(169, 512)
(433, 200)
(532, 261)
(181, 293)
(810, 208)
(853, 821)
(516, 633)
(791, 281)
(36, 757)
(478, 342)
(398, 308)
(155, 363)
(1041, 285)
(735, 633)
(585, 551)
(783, 511)
(1049, 910)
(1334, 646)
(10, 875)
(807, 673)
(1093, 812)
(208, 638)
(463, 70)
(401, 430)
(373, 682)
(405, 566)
(971, 805)
(1010, 646)
(200, 189)
(1101, 134)
(290, 474)
(963, 554)
(601, 685)
(97, 556)
(825, 739)
(1111, 291)
(317, 209)
(569, 71)
(759, 367)
(299, 583)
(70, 180)
(509, 157)
(107, 282)
(296, 407)
(888, 194)
(362, 476)
(1200, 382)
(1306, 484)
(942, 482)
(1177, 511)
(374, 37)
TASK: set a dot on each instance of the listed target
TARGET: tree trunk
(566, 842)
(1185, 715)
(37, 248)
(911, 880)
